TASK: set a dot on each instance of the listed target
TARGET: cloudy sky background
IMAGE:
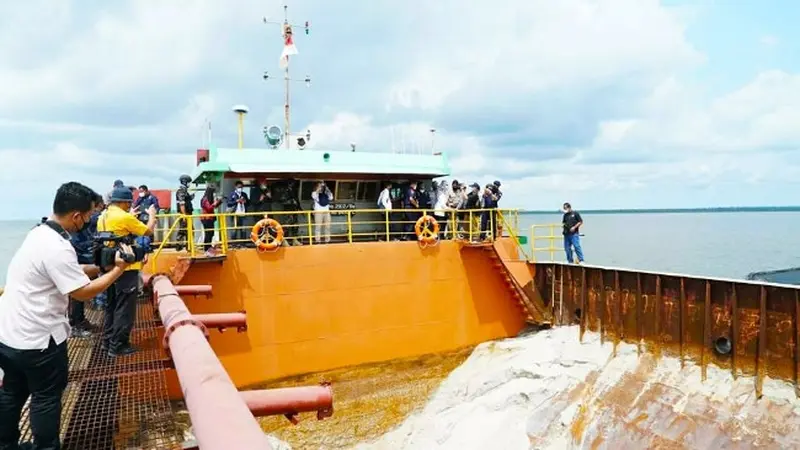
(606, 103)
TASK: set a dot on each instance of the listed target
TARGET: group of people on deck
(450, 204)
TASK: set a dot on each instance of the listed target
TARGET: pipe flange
(154, 276)
(171, 329)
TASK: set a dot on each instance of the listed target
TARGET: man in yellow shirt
(121, 309)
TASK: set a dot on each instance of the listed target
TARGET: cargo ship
(255, 326)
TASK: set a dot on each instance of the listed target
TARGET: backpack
(323, 199)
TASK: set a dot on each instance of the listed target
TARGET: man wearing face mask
(121, 308)
(82, 242)
(261, 197)
(42, 276)
(144, 198)
(238, 203)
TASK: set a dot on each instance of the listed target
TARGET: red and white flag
(288, 46)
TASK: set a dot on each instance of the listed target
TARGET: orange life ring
(427, 229)
(262, 237)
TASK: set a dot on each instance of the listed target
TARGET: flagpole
(286, 82)
(289, 49)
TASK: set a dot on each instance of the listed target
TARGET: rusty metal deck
(117, 403)
(682, 315)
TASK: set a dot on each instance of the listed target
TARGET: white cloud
(589, 100)
(770, 40)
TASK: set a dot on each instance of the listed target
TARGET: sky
(603, 103)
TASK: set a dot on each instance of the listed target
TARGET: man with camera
(121, 309)
(322, 197)
(42, 276)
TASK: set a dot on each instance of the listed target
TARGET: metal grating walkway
(117, 403)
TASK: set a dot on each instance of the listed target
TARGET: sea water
(724, 244)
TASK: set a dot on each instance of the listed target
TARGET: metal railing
(231, 230)
(551, 236)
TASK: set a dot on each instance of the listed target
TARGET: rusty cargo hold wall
(749, 328)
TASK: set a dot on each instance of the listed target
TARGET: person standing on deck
(488, 215)
(183, 200)
(261, 198)
(440, 207)
(43, 275)
(385, 204)
(238, 202)
(472, 202)
(571, 222)
(209, 205)
(410, 203)
(322, 213)
(121, 309)
(83, 243)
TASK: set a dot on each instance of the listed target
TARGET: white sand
(548, 390)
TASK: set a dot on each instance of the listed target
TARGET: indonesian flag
(288, 46)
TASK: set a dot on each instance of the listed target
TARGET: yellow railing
(552, 236)
(301, 228)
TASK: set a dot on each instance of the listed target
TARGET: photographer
(42, 276)
(121, 309)
(322, 197)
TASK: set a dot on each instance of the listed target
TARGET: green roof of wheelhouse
(251, 160)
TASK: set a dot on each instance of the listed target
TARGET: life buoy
(264, 238)
(427, 230)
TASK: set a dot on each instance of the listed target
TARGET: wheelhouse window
(367, 190)
(346, 190)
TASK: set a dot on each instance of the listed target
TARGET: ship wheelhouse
(354, 178)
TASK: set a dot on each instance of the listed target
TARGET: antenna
(433, 140)
(289, 49)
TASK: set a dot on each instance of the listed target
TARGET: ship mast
(286, 79)
(288, 50)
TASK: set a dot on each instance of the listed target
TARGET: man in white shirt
(385, 203)
(42, 276)
(322, 197)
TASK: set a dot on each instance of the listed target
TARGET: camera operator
(121, 309)
(42, 276)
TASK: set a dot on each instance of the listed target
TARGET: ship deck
(117, 403)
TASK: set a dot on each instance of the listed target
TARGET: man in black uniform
(571, 223)
(183, 198)
(261, 198)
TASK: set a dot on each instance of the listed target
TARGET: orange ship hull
(316, 308)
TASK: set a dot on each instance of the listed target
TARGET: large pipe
(236, 320)
(193, 289)
(290, 401)
(220, 418)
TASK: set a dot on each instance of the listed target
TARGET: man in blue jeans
(571, 222)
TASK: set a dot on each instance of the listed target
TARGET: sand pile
(548, 390)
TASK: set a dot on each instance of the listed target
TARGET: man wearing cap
(121, 309)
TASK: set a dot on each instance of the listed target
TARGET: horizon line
(673, 210)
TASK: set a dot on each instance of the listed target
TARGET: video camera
(106, 246)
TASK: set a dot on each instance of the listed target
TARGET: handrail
(513, 234)
(161, 246)
(551, 238)
(349, 226)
